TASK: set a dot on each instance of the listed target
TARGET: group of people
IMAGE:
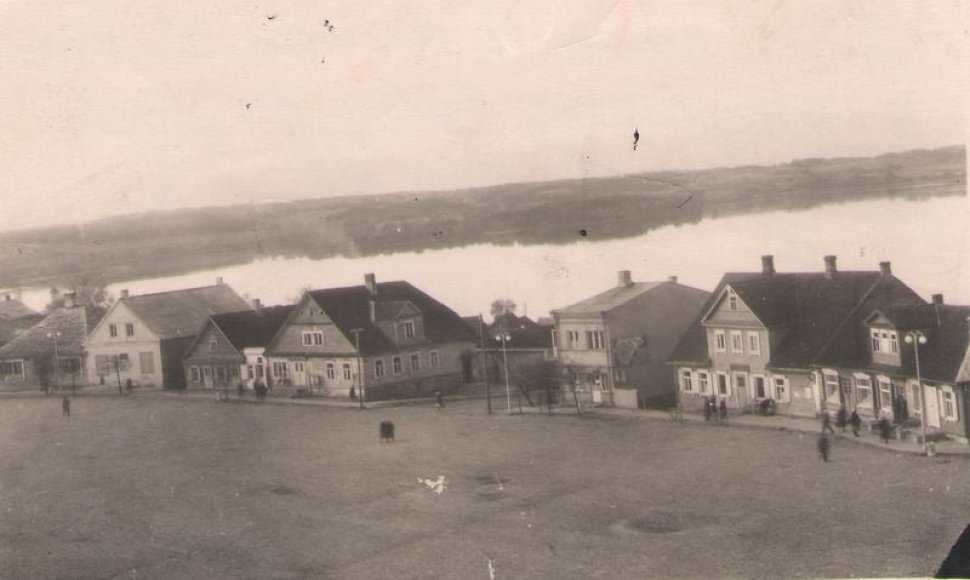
(715, 410)
(843, 419)
(259, 387)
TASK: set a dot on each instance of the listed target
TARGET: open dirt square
(159, 487)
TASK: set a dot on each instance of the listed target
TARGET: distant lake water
(927, 242)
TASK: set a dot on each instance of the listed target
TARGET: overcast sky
(119, 106)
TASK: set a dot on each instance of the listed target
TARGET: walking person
(353, 393)
(439, 399)
(827, 422)
(707, 409)
(856, 422)
(722, 411)
(66, 407)
(823, 446)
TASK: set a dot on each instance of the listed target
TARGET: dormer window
(409, 329)
(884, 341)
(732, 300)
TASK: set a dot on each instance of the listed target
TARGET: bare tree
(503, 306)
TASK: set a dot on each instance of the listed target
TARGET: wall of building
(101, 343)
(309, 317)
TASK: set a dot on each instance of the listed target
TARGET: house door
(299, 373)
(740, 394)
(932, 407)
(207, 377)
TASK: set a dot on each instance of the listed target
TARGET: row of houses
(807, 342)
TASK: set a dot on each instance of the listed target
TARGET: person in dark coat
(707, 409)
(856, 422)
(722, 411)
(439, 399)
(823, 446)
(885, 429)
(841, 418)
(66, 407)
(827, 422)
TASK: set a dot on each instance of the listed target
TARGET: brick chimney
(830, 268)
(886, 268)
(124, 293)
(937, 299)
(624, 279)
(70, 299)
(370, 281)
(672, 279)
(767, 266)
(257, 305)
(219, 281)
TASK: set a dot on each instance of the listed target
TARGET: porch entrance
(932, 407)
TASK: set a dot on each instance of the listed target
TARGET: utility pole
(505, 337)
(360, 375)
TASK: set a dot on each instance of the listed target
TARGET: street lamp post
(505, 338)
(917, 338)
(57, 365)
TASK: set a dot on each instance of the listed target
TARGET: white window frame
(331, 370)
(112, 331)
(885, 385)
(379, 369)
(948, 404)
(916, 404)
(348, 373)
(408, 329)
(830, 386)
(781, 381)
(433, 360)
(415, 361)
(764, 380)
(876, 341)
(397, 365)
(715, 387)
(129, 329)
(863, 383)
(754, 343)
(720, 341)
(732, 300)
(703, 381)
(893, 343)
(746, 387)
(737, 342)
(686, 381)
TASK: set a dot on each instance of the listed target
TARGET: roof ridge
(136, 296)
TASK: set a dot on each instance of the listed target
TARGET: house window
(331, 371)
(12, 368)
(279, 369)
(213, 344)
(113, 330)
(732, 300)
(572, 339)
(346, 371)
(409, 329)
(893, 343)
(737, 343)
(863, 388)
(686, 381)
(722, 383)
(949, 404)
(720, 343)
(702, 381)
(298, 367)
(595, 339)
(885, 393)
(146, 361)
(194, 374)
(249, 372)
(415, 361)
(123, 361)
(379, 368)
(129, 329)
(396, 365)
(433, 358)
(917, 400)
(754, 344)
(781, 388)
(312, 338)
(207, 372)
(876, 342)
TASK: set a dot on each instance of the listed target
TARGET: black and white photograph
(514, 289)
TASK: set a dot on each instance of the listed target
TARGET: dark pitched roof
(73, 324)
(947, 341)
(349, 308)
(252, 327)
(524, 332)
(12, 309)
(181, 313)
(819, 313)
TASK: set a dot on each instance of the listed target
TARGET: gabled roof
(524, 332)
(12, 309)
(819, 313)
(610, 299)
(182, 313)
(248, 328)
(12, 327)
(73, 325)
(947, 341)
(349, 308)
